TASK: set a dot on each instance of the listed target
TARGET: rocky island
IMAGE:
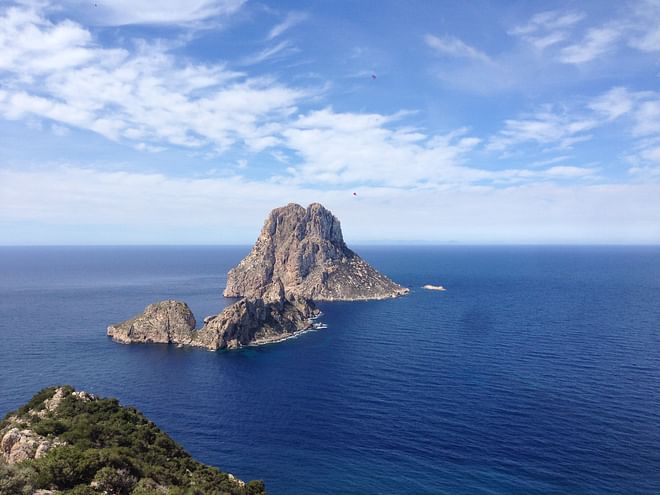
(68, 442)
(304, 250)
(300, 257)
(246, 322)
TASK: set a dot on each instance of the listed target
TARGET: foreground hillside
(69, 442)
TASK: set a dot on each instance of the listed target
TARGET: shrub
(115, 481)
(16, 480)
(65, 467)
(49, 426)
(147, 486)
(81, 490)
(36, 403)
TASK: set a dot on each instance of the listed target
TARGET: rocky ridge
(303, 249)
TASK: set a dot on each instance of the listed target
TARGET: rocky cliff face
(247, 322)
(304, 251)
(164, 322)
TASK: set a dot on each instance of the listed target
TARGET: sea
(536, 372)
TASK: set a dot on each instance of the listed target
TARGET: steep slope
(64, 441)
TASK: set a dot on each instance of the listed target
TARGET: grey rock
(18, 444)
(303, 251)
(164, 322)
(255, 322)
(246, 322)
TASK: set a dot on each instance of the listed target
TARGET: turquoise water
(537, 372)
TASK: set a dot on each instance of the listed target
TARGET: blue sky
(185, 122)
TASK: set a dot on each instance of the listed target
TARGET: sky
(187, 121)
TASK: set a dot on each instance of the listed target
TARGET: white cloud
(143, 207)
(268, 53)
(550, 20)
(345, 148)
(149, 148)
(543, 127)
(652, 154)
(649, 41)
(596, 43)
(567, 127)
(647, 118)
(454, 47)
(291, 20)
(30, 45)
(349, 148)
(614, 103)
(126, 12)
(566, 171)
(55, 70)
(547, 28)
(645, 26)
(634, 25)
(549, 161)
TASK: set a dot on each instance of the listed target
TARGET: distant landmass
(300, 257)
(68, 442)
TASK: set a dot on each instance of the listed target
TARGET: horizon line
(364, 244)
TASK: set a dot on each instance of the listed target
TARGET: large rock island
(64, 441)
(304, 250)
(299, 257)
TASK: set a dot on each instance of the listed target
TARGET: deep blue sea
(536, 372)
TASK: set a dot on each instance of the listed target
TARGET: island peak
(303, 249)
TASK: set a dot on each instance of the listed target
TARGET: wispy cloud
(613, 104)
(292, 19)
(454, 47)
(571, 40)
(547, 28)
(550, 20)
(126, 12)
(545, 127)
(596, 42)
(647, 117)
(645, 26)
(563, 127)
(269, 53)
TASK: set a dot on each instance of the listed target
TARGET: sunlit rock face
(303, 250)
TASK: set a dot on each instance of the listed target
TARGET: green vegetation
(108, 449)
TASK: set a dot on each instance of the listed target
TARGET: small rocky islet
(300, 257)
(72, 442)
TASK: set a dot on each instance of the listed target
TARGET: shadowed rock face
(304, 251)
(254, 322)
(247, 322)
